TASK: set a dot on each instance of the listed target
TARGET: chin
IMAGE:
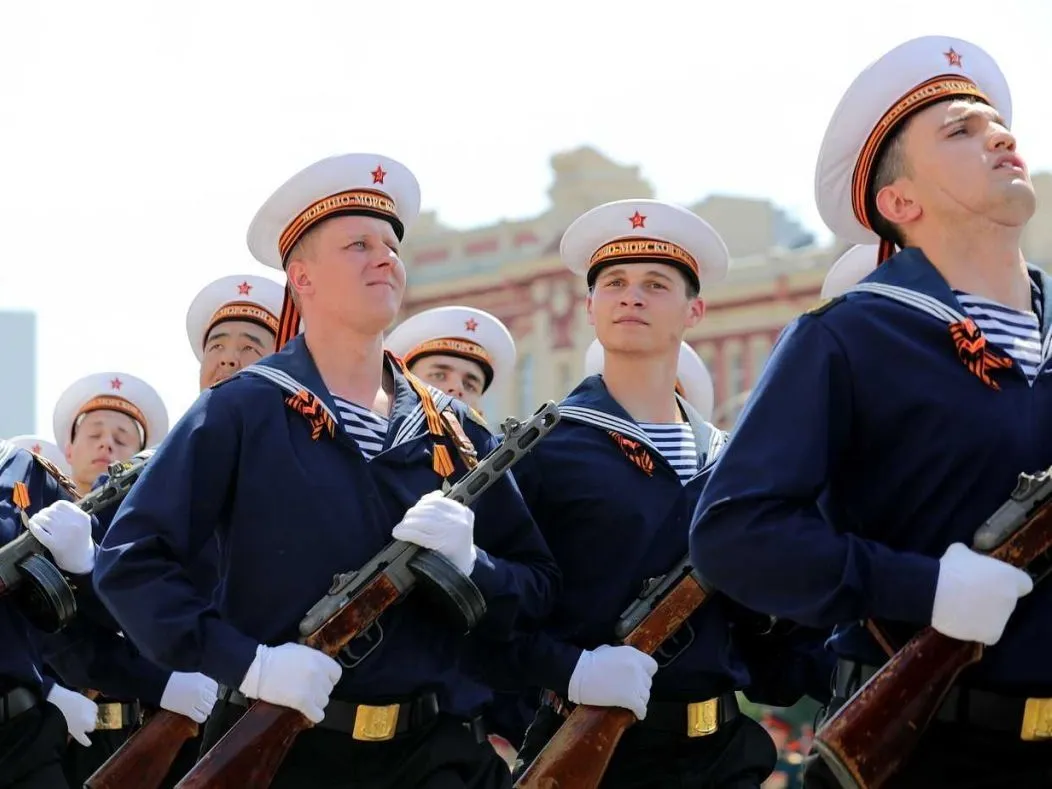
(1018, 204)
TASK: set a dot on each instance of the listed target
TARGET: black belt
(966, 706)
(694, 719)
(15, 702)
(366, 722)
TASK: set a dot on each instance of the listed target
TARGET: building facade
(18, 360)
(512, 269)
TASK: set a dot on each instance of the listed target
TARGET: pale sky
(138, 138)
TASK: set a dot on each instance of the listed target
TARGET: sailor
(467, 352)
(893, 420)
(613, 487)
(106, 417)
(37, 715)
(103, 418)
(232, 323)
(461, 351)
(306, 464)
(693, 379)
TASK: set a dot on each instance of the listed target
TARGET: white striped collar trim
(288, 383)
(410, 427)
(7, 451)
(930, 305)
(413, 425)
(911, 298)
(605, 422)
(717, 441)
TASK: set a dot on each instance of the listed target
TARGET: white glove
(65, 530)
(442, 525)
(79, 711)
(975, 595)
(613, 677)
(192, 695)
(293, 675)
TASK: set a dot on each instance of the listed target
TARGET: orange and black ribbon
(635, 452)
(20, 495)
(308, 406)
(974, 351)
(441, 459)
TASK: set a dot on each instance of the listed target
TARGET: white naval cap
(242, 297)
(634, 231)
(849, 269)
(909, 78)
(692, 376)
(112, 391)
(353, 183)
(465, 332)
(46, 449)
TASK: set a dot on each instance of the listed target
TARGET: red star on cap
(36, 448)
(378, 175)
(116, 383)
(637, 220)
(244, 288)
(471, 324)
(953, 57)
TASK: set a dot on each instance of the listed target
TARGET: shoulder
(825, 305)
(64, 483)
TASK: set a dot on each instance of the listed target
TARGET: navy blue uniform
(865, 450)
(290, 511)
(32, 733)
(612, 523)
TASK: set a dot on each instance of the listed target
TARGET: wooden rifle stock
(251, 751)
(866, 741)
(144, 759)
(579, 753)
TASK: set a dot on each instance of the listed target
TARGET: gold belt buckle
(1037, 720)
(375, 724)
(110, 717)
(703, 717)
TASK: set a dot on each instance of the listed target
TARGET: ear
(588, 309)
(69, 452)
(696, 312)
(897, 202)
(298, 273)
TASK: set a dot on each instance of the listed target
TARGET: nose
(1001, 139)
(230, 358)
(632, 296)
(456, 391)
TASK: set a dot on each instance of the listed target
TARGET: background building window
(524, 405)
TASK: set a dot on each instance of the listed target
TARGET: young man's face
(461, 378)
(350, 274)
(962, 164)
(231, 345)
(101, 438)
(642, 308)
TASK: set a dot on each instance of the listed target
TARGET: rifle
(866, 740)
(579, 753)
(144, 759)
(43, 594)
(251, 751)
